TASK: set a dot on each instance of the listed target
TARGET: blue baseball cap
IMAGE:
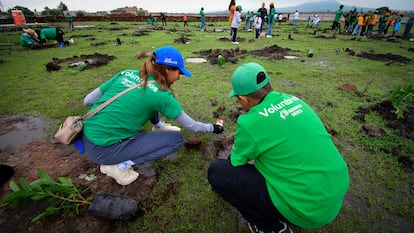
(170, 56)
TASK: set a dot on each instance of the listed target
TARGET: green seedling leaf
(43, 175)
(14, 186)
(62, 196)
(67, 182)
(25, 185)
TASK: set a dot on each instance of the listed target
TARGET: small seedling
(61, 196)
(402, 98)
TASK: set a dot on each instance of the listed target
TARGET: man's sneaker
(166, 127)
(282, 229)
(235, 42)
(122, 177)
(269, 36)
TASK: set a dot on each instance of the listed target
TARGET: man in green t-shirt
(283, 167)
(53, 33)
(202, 19)
(69, 18)
(336, 25)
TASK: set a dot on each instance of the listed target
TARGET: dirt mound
(384, 57)
(81, 62)
(273, 52)
(230, 55)
(402, 127)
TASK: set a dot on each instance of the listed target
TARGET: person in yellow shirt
(360, 24)
(371, 25)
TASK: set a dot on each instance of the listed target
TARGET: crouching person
(283, 168)
(114, 138)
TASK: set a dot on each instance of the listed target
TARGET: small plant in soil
(402, 98)
(61, 196)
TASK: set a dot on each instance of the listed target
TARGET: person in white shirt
(257, 24)
(315, 21)
(236, 23)
(295, 18)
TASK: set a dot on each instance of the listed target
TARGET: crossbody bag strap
(103, 105)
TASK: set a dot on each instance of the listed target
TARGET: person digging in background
(46, 34)
(283, 167)
(28, 38)
(114, 137)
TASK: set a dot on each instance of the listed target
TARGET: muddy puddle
(19, 130)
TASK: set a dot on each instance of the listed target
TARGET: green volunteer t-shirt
(48, 33)
(25, 40)
(124, 117)
(338, 15)
(305, 174)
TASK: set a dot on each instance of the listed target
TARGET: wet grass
(380, 198)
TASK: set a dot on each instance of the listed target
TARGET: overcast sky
(192, 6)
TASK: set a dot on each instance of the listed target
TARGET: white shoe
(71, 41)
(235, 42)
(269, 36)
(167, 127)
(122, 177)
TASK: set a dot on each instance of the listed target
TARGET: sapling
(402, 98)
(61, 196)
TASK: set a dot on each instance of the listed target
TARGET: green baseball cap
(248, 78)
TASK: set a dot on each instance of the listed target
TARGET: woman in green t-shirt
(114, 137)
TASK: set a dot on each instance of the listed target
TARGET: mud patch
(229, 55)
(18, 130)
(82, 62)
(402, 127)
(384, 57)
(273, 52)
(182, 40)
(62, 161)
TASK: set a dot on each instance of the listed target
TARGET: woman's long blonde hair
(158, 71)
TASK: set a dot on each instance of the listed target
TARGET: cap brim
(231, 94)
(185, 72)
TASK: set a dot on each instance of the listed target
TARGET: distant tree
(62, 7)
(80, 13)
(25, 10)
(47, 12)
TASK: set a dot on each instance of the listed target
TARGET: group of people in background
(363, 24)
(355, 23)
(254, 20)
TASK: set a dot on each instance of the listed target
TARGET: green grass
(380, 198)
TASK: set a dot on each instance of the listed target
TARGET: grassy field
(381, 193)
